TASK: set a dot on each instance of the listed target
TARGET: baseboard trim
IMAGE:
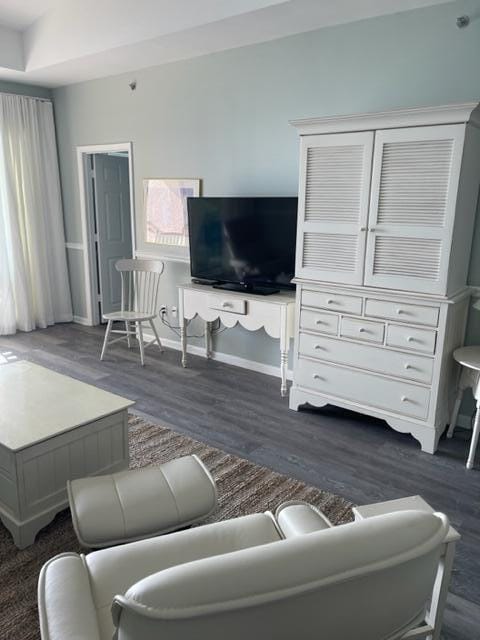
(227, 358)
(81, 320)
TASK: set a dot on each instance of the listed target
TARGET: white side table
(434, 616)
(469, 358)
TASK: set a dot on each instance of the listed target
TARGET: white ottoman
(141, 503)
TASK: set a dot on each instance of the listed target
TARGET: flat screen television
(243, 243)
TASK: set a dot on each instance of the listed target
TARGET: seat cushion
(113, 571)
(137, 503)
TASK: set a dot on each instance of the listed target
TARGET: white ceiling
(58, 42)
(20, 14)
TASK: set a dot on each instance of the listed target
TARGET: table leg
(440, 590)
(283, 372)
(183, 340)
(466, 379)
(208, 340)
(475, 434)
(454, 416)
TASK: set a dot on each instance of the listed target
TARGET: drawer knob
(400, 311)
(329, 301)
(225, 305)
(410, 338)
(317, 346)
(318, 321)
(408, 366)
(316, 376)
(362, 330)
(404, 399)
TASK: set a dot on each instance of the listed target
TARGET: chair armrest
(296, 518)
(65, 603)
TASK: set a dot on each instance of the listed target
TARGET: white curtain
(34, 286)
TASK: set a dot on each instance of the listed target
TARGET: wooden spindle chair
(140, 285)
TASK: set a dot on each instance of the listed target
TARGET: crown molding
(415, 117)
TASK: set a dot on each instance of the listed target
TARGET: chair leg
(155, 333)
(140, 343)
(454, 416)
(127, 329)
(474, 442)
(105, 340)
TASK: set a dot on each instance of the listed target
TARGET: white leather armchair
(289, 576)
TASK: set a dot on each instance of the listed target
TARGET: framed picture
(165, 220)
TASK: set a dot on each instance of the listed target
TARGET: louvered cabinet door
(414, 189)
(333, 206)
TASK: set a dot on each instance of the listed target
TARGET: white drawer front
(232, 305)
(332, 301)
(412, 313)
(362, 330)
(363, 388)
(409, 338)
(402, 365)
(318, 321)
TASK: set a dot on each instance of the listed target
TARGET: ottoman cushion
(140, 503)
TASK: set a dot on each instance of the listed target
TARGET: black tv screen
(250, 241)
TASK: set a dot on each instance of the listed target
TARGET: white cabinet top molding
(415, 117)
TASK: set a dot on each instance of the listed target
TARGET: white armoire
(387, 206)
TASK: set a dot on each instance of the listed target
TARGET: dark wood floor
(241, 412)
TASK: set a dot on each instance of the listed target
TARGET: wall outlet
(163, 309)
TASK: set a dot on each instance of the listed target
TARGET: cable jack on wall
(163, 314)
(463, 21)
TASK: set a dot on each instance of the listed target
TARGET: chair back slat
(140, 284)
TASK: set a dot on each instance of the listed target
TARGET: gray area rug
(243, 487)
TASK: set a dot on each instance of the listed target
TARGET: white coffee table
(52, 429)
(434, 616)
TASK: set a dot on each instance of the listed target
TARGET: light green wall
(25, 89)
(224, 117)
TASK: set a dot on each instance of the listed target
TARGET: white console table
(275, 313)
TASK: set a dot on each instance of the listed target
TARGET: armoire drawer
(363, 388)
(362, 356)
(362, 330)
(409, 338)
(413, 313)
(332, 301)
(318, 321)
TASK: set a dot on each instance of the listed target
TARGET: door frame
(88, 239)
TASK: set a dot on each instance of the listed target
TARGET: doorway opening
(106, 195)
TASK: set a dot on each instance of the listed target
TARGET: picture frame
(165, 221)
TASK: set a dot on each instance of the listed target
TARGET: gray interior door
(114, 234)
